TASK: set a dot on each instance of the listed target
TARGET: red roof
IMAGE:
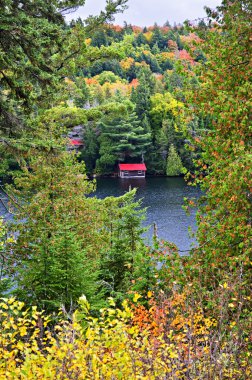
(130, 167)
(77, 142)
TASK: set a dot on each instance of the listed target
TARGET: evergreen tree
(174, 165)
(179, 42)
(123, 138)
(33, 57)
(167, 24)
(155, 49)
(157, 38)
(151, 60)
(90, 152)
(146, 125)
(142, 96)
(99, 39)
(141, 39)
(114, 66)
(82, 95)
(53, 261)
(120, 260)
(37, 56)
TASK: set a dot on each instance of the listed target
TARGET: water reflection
(130, 183)
(164, 198)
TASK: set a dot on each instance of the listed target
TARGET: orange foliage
(158, 76)
(164, 56)
(90, 81)
(88, 41)
(164, 29)
(134, 83)
(116, 28)
(137, 29)
(176, 321)
(125, 89)
(146, 52)
(172, 45)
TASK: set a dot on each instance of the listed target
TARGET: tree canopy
(225, 94)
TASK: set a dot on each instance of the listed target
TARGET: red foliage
(184, 55)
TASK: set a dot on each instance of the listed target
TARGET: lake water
(164, 198)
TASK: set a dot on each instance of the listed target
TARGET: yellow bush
(114, 346)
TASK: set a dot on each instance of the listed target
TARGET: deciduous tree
(225, 175)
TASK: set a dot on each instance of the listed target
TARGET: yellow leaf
(136, 297)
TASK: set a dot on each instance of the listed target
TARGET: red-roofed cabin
(132, 170)
(75, 143)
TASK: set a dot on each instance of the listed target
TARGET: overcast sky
(146, 12)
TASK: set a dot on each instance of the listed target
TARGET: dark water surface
(164, 199)
(162, 196)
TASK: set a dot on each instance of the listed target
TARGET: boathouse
(132, 170)
(75, 138)
(75, 144)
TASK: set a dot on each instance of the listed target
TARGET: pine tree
(174, 165)
(142, 96)
(141, 39)
(120, 258)
(123, 138)
(54, 258)
(99, 39)
(89, 154)
(157, 38)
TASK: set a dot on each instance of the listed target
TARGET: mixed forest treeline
(83, 297)
(149, 77)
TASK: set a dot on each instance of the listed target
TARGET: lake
(164, 197)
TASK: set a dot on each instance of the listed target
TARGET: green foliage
(108, 76)
(174, 165)
(165, 106)
(119, 260)
(99, 39)
(68, 244)
(225, 166)
(56, 226)
(122, 138)
(5, 282)
(40, 45)
(36, 58)
(193, 316)
(82, 93)
(142, 94)
(90, 152)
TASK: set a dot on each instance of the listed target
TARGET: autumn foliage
(148, 312)
(168, 338)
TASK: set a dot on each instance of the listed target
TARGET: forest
(82, 294)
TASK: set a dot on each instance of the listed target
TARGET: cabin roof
(130, 167)
(76, 142)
